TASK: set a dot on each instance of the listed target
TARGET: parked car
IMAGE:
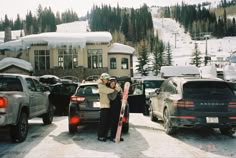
(60, 96)
(151, 84)
(22, 97)
(194, 102)
(84, 107)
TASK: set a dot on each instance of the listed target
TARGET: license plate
(96, 104)
(212, 120)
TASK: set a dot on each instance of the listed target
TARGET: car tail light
(232, 117)
(184, 103)
(3, 102)
(77, 99)
(232, 104)
(124, 119)
(74, 120)
(187, 117)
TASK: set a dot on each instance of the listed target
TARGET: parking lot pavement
(145, 139)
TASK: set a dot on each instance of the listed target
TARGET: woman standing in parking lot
(115, 102)
(104, 105)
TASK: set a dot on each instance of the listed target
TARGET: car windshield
(207, 90)
(89, 90)
(153, 83)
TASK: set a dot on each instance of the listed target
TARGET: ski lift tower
(206, 55)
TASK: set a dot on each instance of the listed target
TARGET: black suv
(195, 102)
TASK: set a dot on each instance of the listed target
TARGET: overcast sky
(81, 7)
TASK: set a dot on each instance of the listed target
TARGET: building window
(124, 63)
(42, 59)
(95, 58)
(113, 63)
(67, 58)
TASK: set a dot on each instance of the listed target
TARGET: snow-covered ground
(183, 47)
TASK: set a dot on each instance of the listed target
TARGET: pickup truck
(22, 97)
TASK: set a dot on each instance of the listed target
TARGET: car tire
(227, 131)
(125, 128)
(48, 117)
(152, 116)
(167, 123)
(146, 111)
(72, 128)
(19, 131)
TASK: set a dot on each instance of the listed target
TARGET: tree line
(198, 20)
(44, 21)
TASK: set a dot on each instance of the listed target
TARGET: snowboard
(122, 111)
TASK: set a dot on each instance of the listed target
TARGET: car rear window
(89, 90)
(153, 83)
(207, 90)
(10, 84)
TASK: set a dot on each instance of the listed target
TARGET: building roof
(55, 39)
(121, 48)
(9, 61)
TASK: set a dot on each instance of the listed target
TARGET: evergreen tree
(158, 56)
(143, 60)
(17, 23)
(196, 56)
(168, 55)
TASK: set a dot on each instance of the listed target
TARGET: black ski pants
(104, 123)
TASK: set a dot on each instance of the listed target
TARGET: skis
(122, 111)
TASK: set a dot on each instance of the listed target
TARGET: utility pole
(175, 37)
(206, 57)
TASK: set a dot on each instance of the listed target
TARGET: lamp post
(206, 57)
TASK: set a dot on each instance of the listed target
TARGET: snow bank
(208, 71)
(229, 72)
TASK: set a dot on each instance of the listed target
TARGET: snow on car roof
(168, 71)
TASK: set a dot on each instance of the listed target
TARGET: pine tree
(196, 56)
(158, 56)
(168, 55)
(143, 60)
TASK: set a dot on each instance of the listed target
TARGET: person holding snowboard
(104, 106)
(115, 103)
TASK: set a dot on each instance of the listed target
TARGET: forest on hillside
(44, 21)
(199, 20)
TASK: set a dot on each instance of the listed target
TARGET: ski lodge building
(70, 54)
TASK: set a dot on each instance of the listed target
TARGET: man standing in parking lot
(104, 105)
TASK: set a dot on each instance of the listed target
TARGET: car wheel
(167, 123)
(125, 128)
(48, 117)
(227, 131)
(146, 111)
(20, 130)
(72, 128)
(152, 116)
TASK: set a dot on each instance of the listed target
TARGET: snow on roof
(168, 71)
(121, 48)
(55, 39)
(74, 27)
(9, 61)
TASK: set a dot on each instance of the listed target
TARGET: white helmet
(104, 76)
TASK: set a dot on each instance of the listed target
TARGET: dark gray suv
(195, 102)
